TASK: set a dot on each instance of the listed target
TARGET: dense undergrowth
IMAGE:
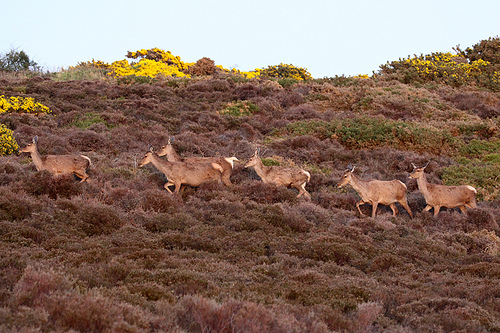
(119, 254)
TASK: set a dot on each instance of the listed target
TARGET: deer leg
(360, 202)
(394, 209)
(177, 187)
(463, 209)
(82, 175)
(427, 208)
(226, 177)
(436, 210)
(404, 203)
(374, 209)
(167, 185)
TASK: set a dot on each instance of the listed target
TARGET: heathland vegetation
(118, 253)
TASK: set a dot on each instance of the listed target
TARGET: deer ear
(349, 167)
(354, 167)
(414, 166)
(150, 148)
(35, 139)
(426, 164)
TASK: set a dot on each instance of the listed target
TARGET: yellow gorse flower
(8, 144)
(22, 104)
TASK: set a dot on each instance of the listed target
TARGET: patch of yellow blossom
(22, 104)
(8, 144)
(446, 66)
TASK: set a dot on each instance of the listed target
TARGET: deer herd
(194, 171)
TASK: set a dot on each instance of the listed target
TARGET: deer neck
(357, 183)
(260, 168)
(159, 163)
(172, 156)
(37, 159)
(422, 185)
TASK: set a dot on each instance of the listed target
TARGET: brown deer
(281, 176)
(437, 196)
(375, 192)
(183, 173)
(227, 163)
(58, 164)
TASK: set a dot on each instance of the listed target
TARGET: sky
(328, 38)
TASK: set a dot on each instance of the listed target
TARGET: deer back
(65, 163)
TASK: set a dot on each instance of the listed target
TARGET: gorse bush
(286, 71)
(22, 104)
(478, 65)
(8, 144)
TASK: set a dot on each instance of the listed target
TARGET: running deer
(437, 196)
(281, 176)
(227, 163)
(183, 173)
(58, 164)
(375, 192)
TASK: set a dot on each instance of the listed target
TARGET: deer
(227, 163)
(58, 164)
(280, 176)
(437, 196)
(183, 173)
(375, 192)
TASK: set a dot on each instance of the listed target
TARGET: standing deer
(183, 173)
(227, 163)
(58, 164)
(281, 176)
(375, 192)
(437, 196)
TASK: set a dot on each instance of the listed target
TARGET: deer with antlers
(227, 163)
(281, 176)
(183, 173)
(58, 164)
(375, 192)
(437, 196)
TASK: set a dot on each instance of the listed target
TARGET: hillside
(120, 254)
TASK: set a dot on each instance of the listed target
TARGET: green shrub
(14, 61)
(239, 109)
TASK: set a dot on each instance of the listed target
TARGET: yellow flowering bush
(452, 69)
(8, 144)
(286, 71)
(152, 62)
(22, 104)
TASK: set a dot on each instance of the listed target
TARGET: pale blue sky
(329, 38)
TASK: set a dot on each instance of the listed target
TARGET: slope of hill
(120, 254)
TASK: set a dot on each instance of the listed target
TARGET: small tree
(14, 61)
(204, 66)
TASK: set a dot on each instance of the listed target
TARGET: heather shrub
(160, 201)
(14, 206)
(37, 283)
(96, 219)
(43, 183)
(86, 141)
